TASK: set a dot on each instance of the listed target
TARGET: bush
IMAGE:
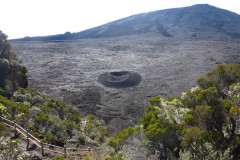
(118, 140)
(95, 128)
(10, 149)
(60, 158)
(203, 123)
(82, 140)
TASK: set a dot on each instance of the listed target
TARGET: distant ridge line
(169, 23)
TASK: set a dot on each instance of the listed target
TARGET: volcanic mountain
(198, 21)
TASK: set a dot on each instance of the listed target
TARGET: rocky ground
(68, 70)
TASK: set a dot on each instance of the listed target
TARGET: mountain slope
(178, 22)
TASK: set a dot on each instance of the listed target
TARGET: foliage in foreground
(130, 143)
(95, 128)
(42, 115)
(9, 149)
(203, 123)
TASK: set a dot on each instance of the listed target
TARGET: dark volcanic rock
(120, 79)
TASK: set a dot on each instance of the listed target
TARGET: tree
(160, 129)
(12, 74)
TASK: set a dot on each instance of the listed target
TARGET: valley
(156, 85)
(68, 70)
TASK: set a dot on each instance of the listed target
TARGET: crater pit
(121, 79)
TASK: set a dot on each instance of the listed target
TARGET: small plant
(82, 140)
(10, 149)
(95, 128)
(155, 101)
(115, 156)
(60, 158)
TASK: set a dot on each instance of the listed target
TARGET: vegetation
(9, 149)
(118, 140)
(60, 158)
(203, 123)
(42, 115)
(95, 128)
(114, 156)
(12, 75)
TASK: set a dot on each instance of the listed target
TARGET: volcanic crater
(121, 79)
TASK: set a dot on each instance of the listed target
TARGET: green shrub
(118, 139)
(203, 123)
(60, 158)
(1, 91)
(82, 140)
(115, 156)
(95, 128)
(155, 101)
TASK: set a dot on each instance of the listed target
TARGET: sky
(20, 18)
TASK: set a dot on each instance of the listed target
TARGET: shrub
(60, 158)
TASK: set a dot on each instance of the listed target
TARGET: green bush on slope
(95, 128)
(119, 139)
(42, 115)
(10, 149)
(203, 123)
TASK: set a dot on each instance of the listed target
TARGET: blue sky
(20, 18)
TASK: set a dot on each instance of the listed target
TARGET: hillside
(25, 111)
(117, 75)
(202, 123)
(198, 21)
